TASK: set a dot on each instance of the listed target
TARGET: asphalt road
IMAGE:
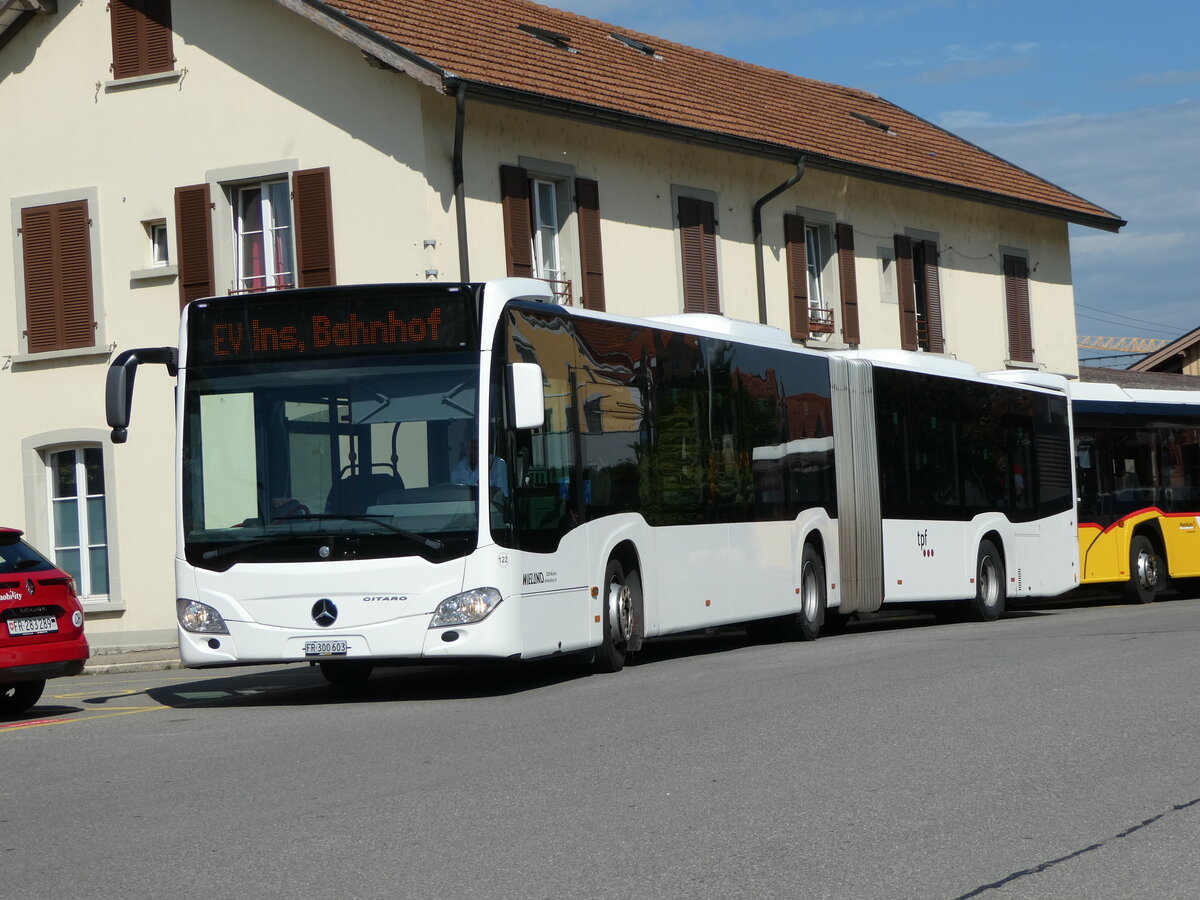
(1050, 754)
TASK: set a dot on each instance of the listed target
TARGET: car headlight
(465, 608)
(199, 617)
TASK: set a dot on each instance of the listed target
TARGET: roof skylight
(553, 38)
(874, 123)
(637, 45)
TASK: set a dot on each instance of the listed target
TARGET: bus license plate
(326, 648)
(33, 625)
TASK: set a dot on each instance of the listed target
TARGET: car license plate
(32, 625)
(326, 648)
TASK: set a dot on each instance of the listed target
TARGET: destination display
(333, 322)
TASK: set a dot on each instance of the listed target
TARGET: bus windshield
(346, 458)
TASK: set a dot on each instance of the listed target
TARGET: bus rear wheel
(990, 585)
(808, 622)
(1145, 571)
(622, 598)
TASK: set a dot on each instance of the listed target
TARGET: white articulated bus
(382, 473)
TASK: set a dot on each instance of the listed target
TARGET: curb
(149, 665)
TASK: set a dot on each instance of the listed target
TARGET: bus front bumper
(407, 638)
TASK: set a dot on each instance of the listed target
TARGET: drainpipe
(758, 238)
(460, 198)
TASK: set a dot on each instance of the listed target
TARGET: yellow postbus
(1138, 473)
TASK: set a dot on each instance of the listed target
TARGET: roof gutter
(460, 193)
(756, 217)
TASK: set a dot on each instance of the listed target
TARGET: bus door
(856, 464)
(549, 494)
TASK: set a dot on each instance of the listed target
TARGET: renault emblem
(30, 587)
(324, 613)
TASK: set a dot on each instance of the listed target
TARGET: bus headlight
(199, 617)
(465, 608)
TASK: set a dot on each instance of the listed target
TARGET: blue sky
(1101, 98)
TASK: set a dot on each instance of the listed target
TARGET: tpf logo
(923, 543)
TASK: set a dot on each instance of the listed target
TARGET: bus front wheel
(1145, 571)
(990, 586)
(622, 598)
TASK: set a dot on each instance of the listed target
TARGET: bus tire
(346, 673)
(621, 597)
(808, 622)
(990, 583)
(16, 698)
(1145, 571)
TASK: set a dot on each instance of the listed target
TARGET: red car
(41, 624)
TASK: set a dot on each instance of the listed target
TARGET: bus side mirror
(118, 386)
(528, 394)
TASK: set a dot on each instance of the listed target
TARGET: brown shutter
(698, 246)
(1016, 299)
(193, 242)
(141, 37)
(906, 294)
(518, 221)
(56, 251)
(797, 274)
(587, 199)
(849, 282)
(933, 299)
(314, 228)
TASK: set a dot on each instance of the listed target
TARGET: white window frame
(160, 247)
(36, 453)
(276, 273)
(821, 267)
(87, 546)
(554, 243)
(223, 184)
(547, 229)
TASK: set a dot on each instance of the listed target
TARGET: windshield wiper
(426, 542)
(218, 552)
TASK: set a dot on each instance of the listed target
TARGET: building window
(549, 234)
(160, 254)
(281, 232)
(57, 257)
(698, 250)
(77, 514)
(817, 242)
(1016, 303)
(263, 236)
(547, 262)
(141, 37)
(918, 286)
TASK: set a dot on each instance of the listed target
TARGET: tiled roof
(491, 44)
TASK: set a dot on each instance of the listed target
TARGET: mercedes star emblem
(324, 613)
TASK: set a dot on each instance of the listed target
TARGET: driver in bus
(466, 470)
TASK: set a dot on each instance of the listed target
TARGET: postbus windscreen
(329, 425)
